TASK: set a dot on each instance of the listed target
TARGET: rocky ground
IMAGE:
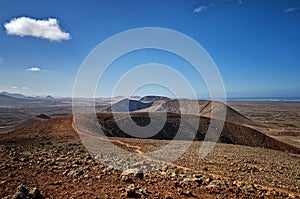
(48, 160)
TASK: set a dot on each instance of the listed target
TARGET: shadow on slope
(232, 133)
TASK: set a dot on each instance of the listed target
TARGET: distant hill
(14, 95)
(206, 107)
(19, 100)
(20, 96)
(8, 100)
(159, 103)
(152, 98)
(42, 97)
(49, 97)
(3, 96)
(124, 105)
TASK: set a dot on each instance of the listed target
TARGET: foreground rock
(26, 193)
(51, 158)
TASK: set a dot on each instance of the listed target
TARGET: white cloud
(200, 9)
(34, 69)
(46, 29)
(291, 9)
(23, 87)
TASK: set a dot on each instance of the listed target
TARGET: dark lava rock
(26, 193)
(43, 116)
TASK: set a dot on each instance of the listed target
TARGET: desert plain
(42, 155)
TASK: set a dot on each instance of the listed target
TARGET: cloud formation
(23, 87)
(46, 29)
(35, 69)
(291, 9)
(200, 9)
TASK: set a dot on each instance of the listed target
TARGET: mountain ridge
(160, 103)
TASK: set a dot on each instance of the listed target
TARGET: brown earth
(232, 133)
(277, 119)
(50, 156)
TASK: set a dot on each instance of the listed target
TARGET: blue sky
(255, 43)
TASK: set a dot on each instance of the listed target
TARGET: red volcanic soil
(49, 156)
(232, 133)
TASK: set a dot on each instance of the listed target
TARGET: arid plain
(47, 158)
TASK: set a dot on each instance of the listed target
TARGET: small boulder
(133, 192)
(135, 172)
(24, 192)
(43, 116)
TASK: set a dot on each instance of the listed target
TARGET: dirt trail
(138, 150)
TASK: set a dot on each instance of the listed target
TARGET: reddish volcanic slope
(232, 133)
(48, 156)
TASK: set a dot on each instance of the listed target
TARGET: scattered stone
(250, 188)
(126, 179)
(213, 186)
(15, 158)
(208, 180)
(75, 173)
(22, 189)
(135, 172)
(133, 192)
(292, 195)
(34, 193)
(193, 179)
(168, 197)
(26, 193)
